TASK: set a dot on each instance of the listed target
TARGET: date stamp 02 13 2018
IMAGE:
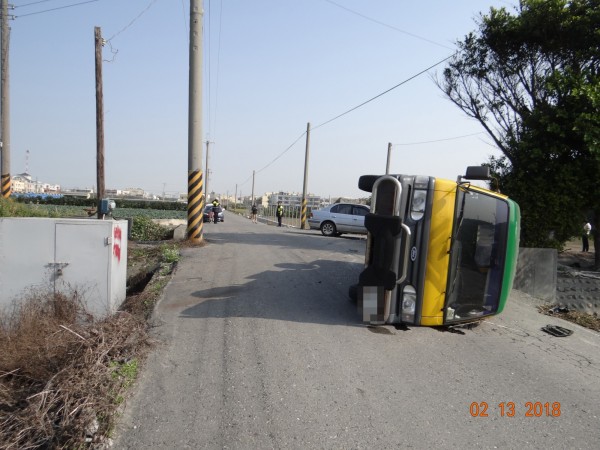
(509, 409)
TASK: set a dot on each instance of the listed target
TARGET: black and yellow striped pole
(195, 205)
(5, 185)
(303, 212)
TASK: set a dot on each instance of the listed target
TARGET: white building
(23, 184)
(294, 199)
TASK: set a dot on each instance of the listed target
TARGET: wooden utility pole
(5, 188)
(304, 186)
(99, 42)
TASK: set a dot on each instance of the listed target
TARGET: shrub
(144, 229)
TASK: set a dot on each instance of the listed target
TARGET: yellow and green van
(439, 252)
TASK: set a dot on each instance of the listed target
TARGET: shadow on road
(315, 292)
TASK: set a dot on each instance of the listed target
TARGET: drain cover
(557, 331)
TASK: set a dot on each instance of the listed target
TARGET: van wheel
(353, 293)
(328, 229)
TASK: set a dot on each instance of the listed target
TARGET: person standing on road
(254, 213)
(585, 236)
(215, 208)
(279, 213)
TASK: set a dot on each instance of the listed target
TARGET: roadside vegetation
(64, 374)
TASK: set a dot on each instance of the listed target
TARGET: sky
(270, 68)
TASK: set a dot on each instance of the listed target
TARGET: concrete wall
(536, 273)
(539, 275)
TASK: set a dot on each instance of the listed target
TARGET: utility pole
(99, 42)
(195, 179)
(5, 188)
(207, 171)
(303, 212)
(253, 173)
(235, 198)
(387, 166)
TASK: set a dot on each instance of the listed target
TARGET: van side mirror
(477, 173)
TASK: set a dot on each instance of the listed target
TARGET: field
(119, 213)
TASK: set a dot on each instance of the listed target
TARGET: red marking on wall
(117, 234)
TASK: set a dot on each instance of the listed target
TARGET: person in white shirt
(585, 237)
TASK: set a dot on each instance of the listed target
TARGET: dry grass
(63, 374)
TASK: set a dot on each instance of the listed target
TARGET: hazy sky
(270, 67)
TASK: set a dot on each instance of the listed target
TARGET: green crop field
(119, 213)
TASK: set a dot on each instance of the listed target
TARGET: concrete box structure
(536, 273)
(41, 255)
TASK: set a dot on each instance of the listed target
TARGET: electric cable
(439, 140)
(354, 109)
(385, 92)
(133, 21)
(32, 3)
(55, 9)
(388, 26)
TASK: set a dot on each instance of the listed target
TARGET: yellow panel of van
(436, 269)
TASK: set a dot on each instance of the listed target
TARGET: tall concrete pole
(387, 166)
(253, 174)
(207, 172)
(99, 122)
(5, 188)
(304, 186)
(235, 198)
(195, 177)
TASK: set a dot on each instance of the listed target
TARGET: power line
(32, 3)
(55, 9)
(440, 140)
(387, 26)
(349, 111)
(282, 153)
(276, 158)
(134, 20)
(208, 119)
(385, 92)
(218, 67)
(185, 24)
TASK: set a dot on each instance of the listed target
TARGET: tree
(532, 80)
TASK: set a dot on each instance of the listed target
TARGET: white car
(339, 218)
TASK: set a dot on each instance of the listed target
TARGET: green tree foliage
(531, 77)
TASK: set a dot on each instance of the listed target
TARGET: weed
(126, 372)
(170, 253)
(144, 229)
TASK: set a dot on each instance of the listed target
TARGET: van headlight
(417, 208)
(409, 304)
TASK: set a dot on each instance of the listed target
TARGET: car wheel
(328, 229)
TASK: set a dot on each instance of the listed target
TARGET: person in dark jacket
(254, 213)
(215, 208)
(279, 213)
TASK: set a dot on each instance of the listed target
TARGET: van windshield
(477, 255)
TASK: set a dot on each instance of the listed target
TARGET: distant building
(134, 193)
(113, 192)
(81, 193)
(294, 199)
(23, 184)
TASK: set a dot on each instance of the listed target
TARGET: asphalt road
(261, 348)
